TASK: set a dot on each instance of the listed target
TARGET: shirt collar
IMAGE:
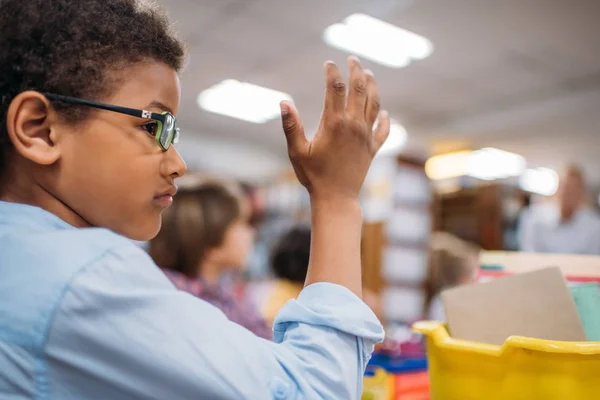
(23, 215)
(552, 215)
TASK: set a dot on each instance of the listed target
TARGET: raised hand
(334, 164)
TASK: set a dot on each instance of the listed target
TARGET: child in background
(289, 262)
(452, 262)
(206, 233)
(89, 91)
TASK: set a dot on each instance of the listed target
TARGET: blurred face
(237, 246)
(571, 193)
(111, 172)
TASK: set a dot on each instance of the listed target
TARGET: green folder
(587, 301)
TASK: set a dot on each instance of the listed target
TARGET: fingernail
(354, 58)
(329, 62)
(369, 72)
(285, 110)
(384, 114)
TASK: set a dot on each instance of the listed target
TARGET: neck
(567, 214)
(26, 190)
(210, 273)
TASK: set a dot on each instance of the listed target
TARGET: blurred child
(206, 233)
(289, 262)
(452, 262)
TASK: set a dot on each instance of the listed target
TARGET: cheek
(111, 183)
(241, 244)
(248, 240)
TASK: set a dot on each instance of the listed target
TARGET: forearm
(335, 244)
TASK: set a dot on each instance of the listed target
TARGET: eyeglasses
(166, 132)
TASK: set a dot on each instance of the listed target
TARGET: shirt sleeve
(123, 332)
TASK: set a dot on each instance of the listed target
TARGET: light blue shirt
(86, 314)
(541, 231)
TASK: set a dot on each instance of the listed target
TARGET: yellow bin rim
(438, 332)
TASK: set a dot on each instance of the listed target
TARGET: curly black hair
(291, 255)
(76, 48)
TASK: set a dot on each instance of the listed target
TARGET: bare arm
(335, 244)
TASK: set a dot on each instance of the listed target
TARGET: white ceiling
(521, 75)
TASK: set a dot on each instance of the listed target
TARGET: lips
(171, 191)
(165, 199)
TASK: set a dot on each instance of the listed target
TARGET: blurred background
(491, 101)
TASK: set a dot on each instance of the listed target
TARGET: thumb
(382, 130)
(293, 129)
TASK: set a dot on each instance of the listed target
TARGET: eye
(150, 127)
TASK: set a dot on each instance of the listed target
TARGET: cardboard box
(535, 304)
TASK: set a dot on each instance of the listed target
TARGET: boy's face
(110, 171)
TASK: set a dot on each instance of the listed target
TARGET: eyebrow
(159, 105)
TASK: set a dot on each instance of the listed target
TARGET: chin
(142, 231)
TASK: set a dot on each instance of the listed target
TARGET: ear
(31, 124)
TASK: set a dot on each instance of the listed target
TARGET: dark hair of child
(291, 255)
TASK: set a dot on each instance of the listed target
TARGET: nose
(173, 165)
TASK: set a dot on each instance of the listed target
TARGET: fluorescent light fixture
(450, 165)
(491, 164)
(395, 141)
(486, 164)
(542, 181)
(377, 40)
(243, 101)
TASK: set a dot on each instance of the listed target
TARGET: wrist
(329, 200)
(348, 206)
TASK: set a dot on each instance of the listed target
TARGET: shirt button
(279, 389)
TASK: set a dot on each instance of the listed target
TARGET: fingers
(293, 129)
(335, 93)
(373, 103)
(357, 94)
(382, 130)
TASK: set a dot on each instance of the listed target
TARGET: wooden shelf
(478, 214)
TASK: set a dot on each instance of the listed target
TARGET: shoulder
(590, 216)
(193, 286)
(58, 254)
(38, 268)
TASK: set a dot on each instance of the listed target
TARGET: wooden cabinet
(486, 215)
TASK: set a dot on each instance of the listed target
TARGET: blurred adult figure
(565, 225)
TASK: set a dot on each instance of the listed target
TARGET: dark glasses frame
(166, 133)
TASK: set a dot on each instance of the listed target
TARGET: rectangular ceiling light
(542, 181)
(243, 101)
(490, 164)
(378, 41)
(445, 166)
(485, 164)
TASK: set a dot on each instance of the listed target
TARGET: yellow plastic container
(379, 386)
(521, 369)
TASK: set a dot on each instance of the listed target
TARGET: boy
(89, 90)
